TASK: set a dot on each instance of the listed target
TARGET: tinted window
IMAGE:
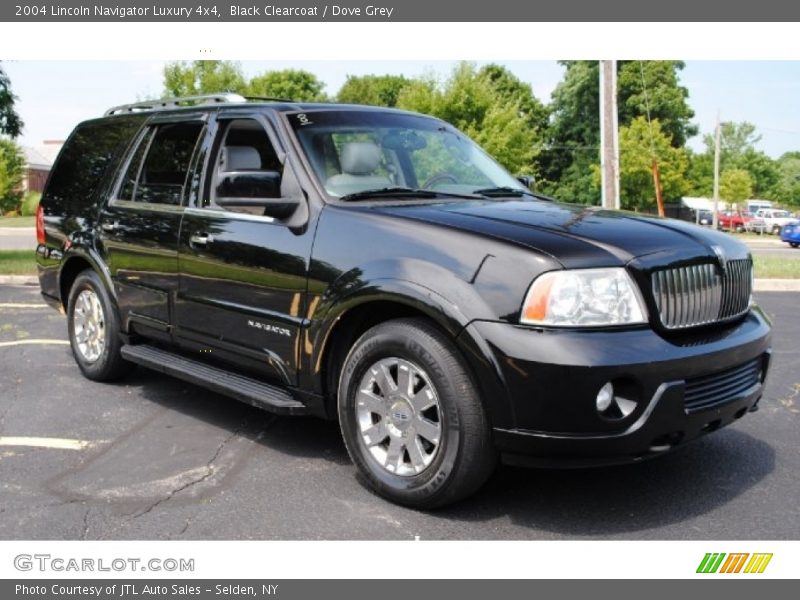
(86, 157)
(132, 175)
(158, 170)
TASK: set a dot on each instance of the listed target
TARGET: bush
(30, 203)
(12, 165)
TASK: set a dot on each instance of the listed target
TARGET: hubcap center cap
(400, 415)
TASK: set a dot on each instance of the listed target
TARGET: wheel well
(348, 329)
(73, 267)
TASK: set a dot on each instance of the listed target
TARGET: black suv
(377, 267)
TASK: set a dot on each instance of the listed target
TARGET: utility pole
(715, 218)
(609, 139)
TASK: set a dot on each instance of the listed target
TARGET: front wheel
(411, 416)
(93, 329)
(794, 244)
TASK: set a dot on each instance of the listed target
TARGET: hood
(576, 235)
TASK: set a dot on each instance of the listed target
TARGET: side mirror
(528, 181)
(255, 189)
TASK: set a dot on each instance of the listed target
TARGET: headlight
(584, 298)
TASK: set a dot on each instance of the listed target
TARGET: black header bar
(402, 11)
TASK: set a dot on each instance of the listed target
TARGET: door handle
(110, 226)
(201, 239)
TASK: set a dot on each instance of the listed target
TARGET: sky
(55, 95)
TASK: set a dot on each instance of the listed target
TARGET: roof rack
(165, 103)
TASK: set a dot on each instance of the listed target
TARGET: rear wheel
(794, 244)
(411, 417)
(776, 230)
(94, 329)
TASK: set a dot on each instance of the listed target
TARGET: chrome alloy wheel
(89, 325)
(399, 416)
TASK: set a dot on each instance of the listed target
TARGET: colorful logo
(736, 562)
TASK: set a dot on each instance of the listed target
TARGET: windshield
(354, 151)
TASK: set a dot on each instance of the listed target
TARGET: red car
(731, 220)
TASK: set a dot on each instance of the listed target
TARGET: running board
(245, 389)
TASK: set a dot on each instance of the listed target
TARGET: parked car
(734, 221)
(791, 234)
(704, 217)
(376, 267)
(774, 219)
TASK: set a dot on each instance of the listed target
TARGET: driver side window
(245, 147)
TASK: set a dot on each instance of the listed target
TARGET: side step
(244, 389)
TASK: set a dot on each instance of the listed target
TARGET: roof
(37, 157)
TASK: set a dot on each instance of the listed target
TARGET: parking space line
(36, 305)
(45, 442)
(34, 342)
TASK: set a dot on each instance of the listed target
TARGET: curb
(19, 280)
(776, 285)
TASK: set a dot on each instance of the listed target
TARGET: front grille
(708, 391)
(698, 295)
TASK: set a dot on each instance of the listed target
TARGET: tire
(93, 328)
(740, 229)
(776, 230)
(387, 425)
(794, 244)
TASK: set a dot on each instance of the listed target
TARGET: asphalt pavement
(155, 458)
(17, 238)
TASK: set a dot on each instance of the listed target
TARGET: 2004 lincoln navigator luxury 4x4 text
(376, 267)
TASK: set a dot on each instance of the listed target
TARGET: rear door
(138, 228)
(242, 289)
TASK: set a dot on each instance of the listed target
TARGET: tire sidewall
(89, 280)
(434, 480)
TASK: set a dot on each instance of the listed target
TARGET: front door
(243, 275)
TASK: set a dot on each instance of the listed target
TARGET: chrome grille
(698, 294)
(722, 387)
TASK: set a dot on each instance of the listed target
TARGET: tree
(573, 141)
(218, 76)
(661, 92)
(787, 188)
(638, 142)
(12, 170)
(10, 123)
(737, 151)
(203, 77)
(291, 84)
(469, 101)
(735, 185)
(375, 90)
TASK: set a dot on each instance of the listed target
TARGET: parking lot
(156, 458)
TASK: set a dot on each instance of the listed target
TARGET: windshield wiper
(497, 192)
(403, 192)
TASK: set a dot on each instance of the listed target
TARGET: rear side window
(86, 159)
(158, 169)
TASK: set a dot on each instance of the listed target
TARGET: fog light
(604, 397)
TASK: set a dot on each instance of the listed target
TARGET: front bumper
(552, 378)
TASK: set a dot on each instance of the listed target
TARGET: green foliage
(203, 77)
(737, 152)
(494, 118)
(217, 76)
(291, 84)
(12, 165)
(375, 90)
(572, 155)
(735, 185)
(667, 100)
(10, 123)
(787, 187)
(638, 142)
(30, 203)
